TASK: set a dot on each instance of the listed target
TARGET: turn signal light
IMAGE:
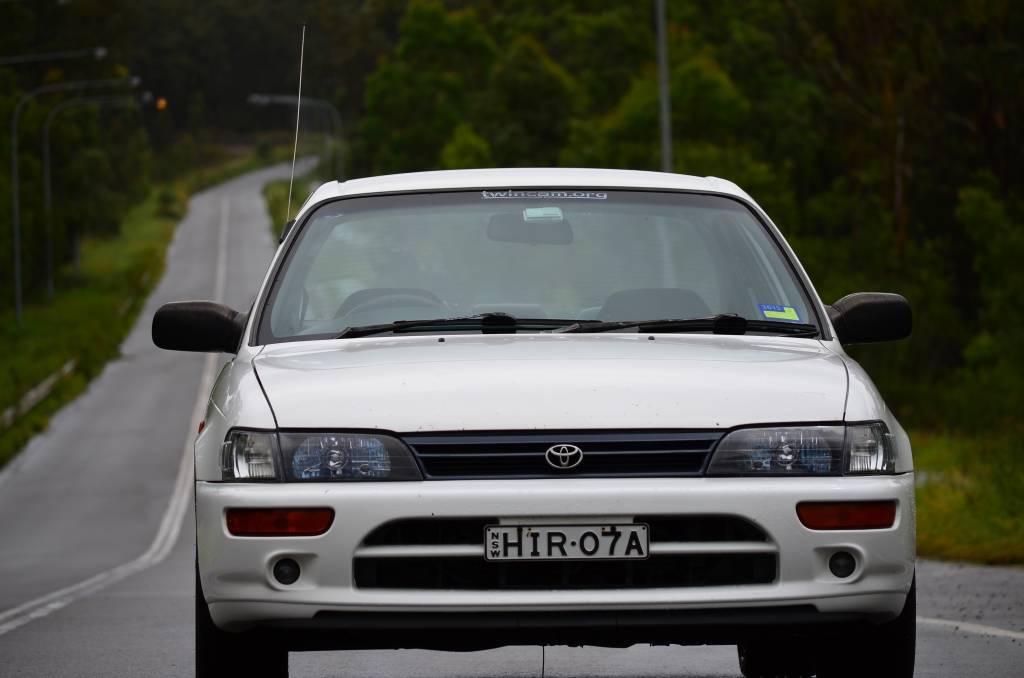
(279, 522)
(847, 515)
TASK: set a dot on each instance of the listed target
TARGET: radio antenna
(298, 115)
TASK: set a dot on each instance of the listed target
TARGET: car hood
(545, 381)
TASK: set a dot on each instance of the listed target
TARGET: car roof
(523, 177)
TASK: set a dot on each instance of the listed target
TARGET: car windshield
(574, 255)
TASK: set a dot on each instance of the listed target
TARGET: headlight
(289, 456)
(805, 450)
(346, 456)
(869, 449)
(249, 455)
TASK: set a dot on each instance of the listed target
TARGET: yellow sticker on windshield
(773, 312)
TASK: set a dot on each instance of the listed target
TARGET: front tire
(764, 660)
(219, 653)
(885, 651)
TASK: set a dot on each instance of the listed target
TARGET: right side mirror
(198, 326)
(869, 317)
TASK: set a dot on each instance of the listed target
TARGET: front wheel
(764, 660)
(219, 653)
(885, 651)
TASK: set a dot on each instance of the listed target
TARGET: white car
(479, 408)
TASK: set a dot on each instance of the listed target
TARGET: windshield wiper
(488, 323)
(719, 324)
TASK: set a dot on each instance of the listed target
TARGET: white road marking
(221, 275)
(970, 627)
(170, 524)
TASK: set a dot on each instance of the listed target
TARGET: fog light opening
(842, 564)
(286, 571)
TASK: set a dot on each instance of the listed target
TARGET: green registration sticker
(773, 312)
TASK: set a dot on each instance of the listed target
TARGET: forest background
(884, 137)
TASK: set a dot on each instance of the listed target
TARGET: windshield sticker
(543, 195)
(773, 312)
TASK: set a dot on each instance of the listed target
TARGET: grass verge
(969, 500)
(276, 195)
(90, 317)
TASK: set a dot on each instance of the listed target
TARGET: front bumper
(237, 582)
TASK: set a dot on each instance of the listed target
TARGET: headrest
(361, 297)
(654, 304)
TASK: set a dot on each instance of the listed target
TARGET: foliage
(88, 322)
(276, 195)
(423, 90)
(466, 149)
(100, 166)
(969, 504)
(829, 113)
(525, 111)
(884, 137)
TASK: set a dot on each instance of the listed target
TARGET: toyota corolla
(481, 408)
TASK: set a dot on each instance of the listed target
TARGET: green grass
(276, 195)
(91, 315)
(970, 504)
(86, 322)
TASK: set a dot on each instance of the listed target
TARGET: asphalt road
(96, 531)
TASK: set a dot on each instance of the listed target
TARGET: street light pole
(667, 164)
(15, 207)
(125, 100)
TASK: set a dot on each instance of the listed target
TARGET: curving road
(96, 530)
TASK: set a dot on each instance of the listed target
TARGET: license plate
(566, 542)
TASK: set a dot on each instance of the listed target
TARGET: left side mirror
(198, 326)
(869, 317)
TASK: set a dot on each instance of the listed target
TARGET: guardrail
(35, 395)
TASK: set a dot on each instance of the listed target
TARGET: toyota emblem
(564, 457)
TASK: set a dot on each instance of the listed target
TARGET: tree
(415, 99)
(466, 150)
(526, 110)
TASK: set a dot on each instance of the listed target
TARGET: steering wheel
(383, 298)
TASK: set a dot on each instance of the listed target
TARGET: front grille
(669, 571)
(698, 528)
(453, 456)
(422, 531)
(447, 553)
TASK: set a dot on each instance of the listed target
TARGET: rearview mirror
(198, 326)
(869, 317)
(537, 226)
